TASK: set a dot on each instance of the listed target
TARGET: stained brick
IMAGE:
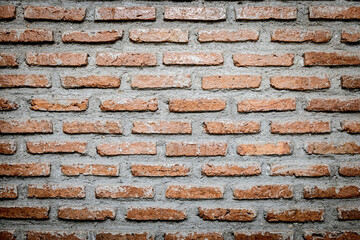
(227, 170)
(28, 126)
(300, 170)
(8, 147)
(57, 235)
(349, 169)
(195, 59)
(324, 235)
(56, 191)
(101, 126)
(86, 213)
(331, 59)
(7, 234)
(160, 81)
(350, 126)
(295, 215)
(334, 105)
(130, 104)
(59, 105)
(90, 169)
(159, 35)
(7, 12)
(231, 82)
(325, 148)
(125, 13)
(334, 12)
(25, 35)
(263, 192)
(299, 35)
(8, 60)
(194, 192)
(228, 35)
(24, 80)
(65, 59)
(54, 13)
(22, 212)
(273, 235)
(197, 104)
(34, 169)
(348, 213)
(231, 127)
(92, 36)
(195, 13)
(123, 191)
(130, 59)
(92, 81)
(267, 105)
(161, 127)
(263, 60)
(279, 148)
(56, 147)
(350, 35)
(266, 13)
(8, 192)
(163, 170)
(349, 191)
(7, 105)
(227, 214)
(194, 235)
(351, 82)
(299, 127)
(300, 83)
(125, 236)
(127, 148)
(195, 149)
(155, 214)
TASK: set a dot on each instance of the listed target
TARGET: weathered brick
(125, 236)
(266, 13)
(100, 126)
(59, 105)
(25, 35)
(7, 234)
(8, 60)
(218, 170)
(299, 35)
(55, 235)
(7, 104)
(8, 192)
(7, 12)
(334, 12)
(331, 59)
(27, 126)
(193, 58)
(195, 13)
(348, 191)
(325, 148)
(125, 13)
(194, 192)
(227, 214)
(159, 35)
(196, 149)
(295, 215)
(231, 82)
(130, 104)
(300, 170)
(349, 169)
(300, 83)
(22, 212)
(65, 59)
(86, 213)
(327, 235)
(273, 235)
(197, 104)
(34, 169)
(163, 170)
(160, 81)
(24, 80)
(161, 127)
(127, 148)
(123, 191)
(8, 147)
(348, 213)
(55, 191)
(92, 36)
(299, 127)
(228, 35)
(263, 192)
(351, 82)
(90, 169)
(194, 235)
(155, 214)
(350, 126)
(279, 148)
(92, 81)
(334, 105)
(350, 35)
(129, 59)
(56, 147)
(263, 60)
(54, 13)
(231, 127)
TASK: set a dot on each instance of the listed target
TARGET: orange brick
(159, 35)
(266, 13)
(123, 191)
(130, 59)
(8, 60)
(273, 235)
(8, 147)
(300, 83)
(7, 234)
(56, 191)
(231, 82)
(231, 127)
(7, 105)
(349, 169)
(267, 105)
(194, 235)
(24, 80)
(65, 59)
(163, 170)
(195, 13)
(101, 126)
(331, 59)
(323, 235)
(334, 105)
(155, 214)
(300, 170)
(351, 82)
(194, 192)
(195, 149)
(35, 169)
(130, 104)
(351, 126)
(54, 13)
(263, 192)
(8, 192)
(279, 148)
(160, 81)
(57, 235)
(295, 215)
(59, 105)
(197, 104)
(299, 127)
(348, 213)
(7, 12)
(231, 170)
(350, 35)
(227, 35)
(227, 214)
(161, 127)
(25, 35)
(125, 13)
(264, 60)
(28, 126)
(324, 148)
(193, 59)
(90, 169)
(92, 36)
(56, 147)
(87, 213)
(120, 235)
(334, 12)
(22, 212)
(127, 148)
(91, 82)
(349, 191)
(299, 35)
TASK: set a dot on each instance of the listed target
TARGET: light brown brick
(193, 58)
(22, 212)
(266, 13)
(325, 148)
(127, 148)
(24, 80)
(59, 105)
(227, 214)
(92, 36)
(231, 82)
(55, 235)
(7, 234)
(349, 169)
(123, 191)
(8, 192)
(278, 148)
(7, 12)
(231, 127)
(218, 170)
(350, 35)
(64, 59)
(8, 60)
(334, 12)
(100, 126)
(56, 191)
(161, 127)
(228, 35)
(90, 169)
(159, 170)
(27, 126)
(129, 59)
(300, 127)
(332, 192)
(263, 192)
(197, 104)
(86, 213)
(300, 35)
(323, 235)
(263, 60)
(300, 170)
(194, 235)
(56, 147)
(158, 35)
(26, 35)
(295, 215)
(160, 81)
(195, 13)
(130, 104)
(331, 59)
(125, 236)
(189, 149)
(300, 83)
(334, 105)
(350, 126)
(54, 13)
(125, 13)
(273, 235)
(155, 214)
(8, 147)
(194, 192)
(92, 81)
(348, 213)
(351, 82)
(7, 104)
(34, 169)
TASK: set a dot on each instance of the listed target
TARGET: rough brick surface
(174, 170)
(193, 59)
(267, 105)
(231, 82)
(159, 35)
(130, 104)
(160, 82)
(54, 13)
(351, 82)
(7, 12)
(297, 35)
(231, 127)
(266, 13)
(127, 148)
(217, 170)
(119, 235)
(24, 212)
(8, 147)
(91, 82)
(193, 192)
(26, 35)
(349, 213)
(263, 192)
(77, 127)
(196, 149)
(34, 169)
(295, 215)
(299, 83)
(161, 127)
(349, 191)
(125, 59)
(197, 105)
(195, 13)
(300, 170)
(123, 191)
(87, 213)
(350, 35)
(65, 59)
(349, 169)
(55, 191)
(334, 105)
(125, 13)
(7, 105)
(334, 12)
(8, 192)
(28, 126)
(325, 148)
(263, 60)
(274, 235)
(155, 213)
(331, 59)
(58, 235)
(95, 36)
(90, 169)
(279, 148)
(8, 60)
(241, 35)
(59, 105)
(315, 235)
(56, 147)
(225, 214)
(194, 235)
(22, 80)
(300, 127)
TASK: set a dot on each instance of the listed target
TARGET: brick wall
(180, 120)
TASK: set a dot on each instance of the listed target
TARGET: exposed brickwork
(225, 214)
(263, 192)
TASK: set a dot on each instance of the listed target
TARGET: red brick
(28, 126)
(90, 169)
(161, 127)
(56, 147)
(160, 81)
(104, 81)
(334, 12)
(195, 149)
(193, 58)
(300, 83)
(351, 82)
(8, 147)
(92, 36)
(7, 12)
(7, 234)
(348, 213)
(350, 126)
(327, 235)
(231, 127)
(299, 35)
(54, 13)
(22, 212)
(123, 191)
(228, 35)
(35, 169)
(331, 59)
(24, 80)
(349, 191)
(264, 60)
(163, 170)
(324, 148)
(194, 192)
(130, 59)
(334, 105)
(266, 13)
(55, 235)
(295, 215)
(56, 191)
(273, 235)
(279, 148)
(8, 192)
(8, 60)
(86, 213)
(300, 170)
(350, 35)
(194, 235)
(127, 148)
(159, 35)
(101, 126)
(197, 104)
(231, 82)
(125, 13)
(65, 59)
(349, 169)
(25, 35)
(299, 127)
(59, 105)
(231, 170)
(123, 236)
(7, 105)
(130, 104)
(195, 13)
(155, 214)
(227, 214)
(263, 192)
